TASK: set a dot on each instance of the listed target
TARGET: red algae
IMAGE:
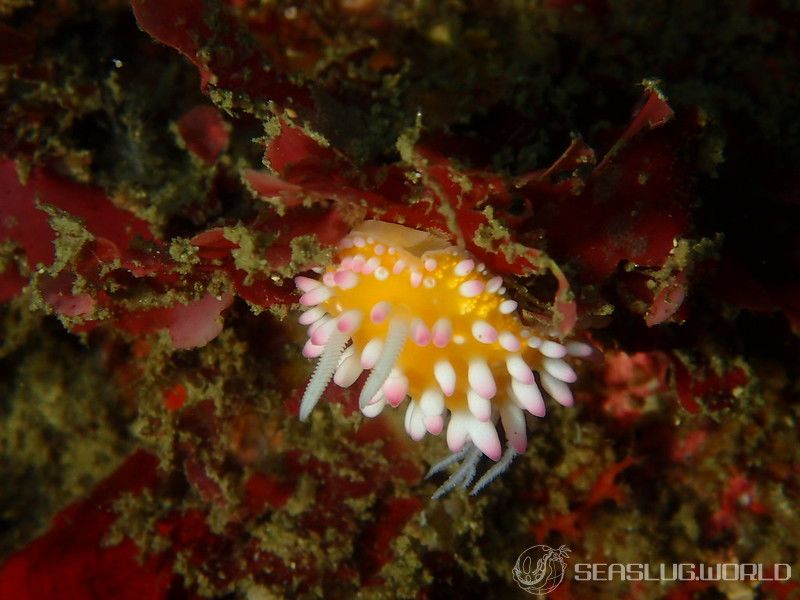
(41, 569)
(204, 132)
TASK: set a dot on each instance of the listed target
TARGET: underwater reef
(631, 170)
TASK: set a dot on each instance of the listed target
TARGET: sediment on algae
(65, 425)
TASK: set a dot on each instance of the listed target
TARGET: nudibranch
(432, 325)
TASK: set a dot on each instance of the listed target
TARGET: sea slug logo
(540, 569)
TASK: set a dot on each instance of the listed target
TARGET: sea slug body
(431, 324)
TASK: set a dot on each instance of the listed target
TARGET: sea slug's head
(432, 324)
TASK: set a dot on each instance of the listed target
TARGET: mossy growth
(64, 427)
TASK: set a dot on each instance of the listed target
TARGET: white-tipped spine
(350, 321)
(484, 332)
(380, 311)
(348, 371)
(513, 421)
(480, 407)
(316, 296)
(373, 410)
(579, 349)
(494, 284)
(345, 279)
(480, 378)
(322, 334)
(306, 284)
(519, 369)
(484, 436)
(507, 307)
(557, 389)
(560, 370)
(399, 266)
(431, 402)
(445, 376)
(471, 288)
(312, 315)
(458, 430)
(508, 341)
(442, 332)
(552, 349)
(464, 268)
(528, 397)
(415, 422)
(420, 332)
(319, 323)
(328, 279)
(372, 264)
(395, 388)
(434, 424)
(311, 350)
(371, 353)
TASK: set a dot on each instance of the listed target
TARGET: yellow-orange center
(437, 296)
